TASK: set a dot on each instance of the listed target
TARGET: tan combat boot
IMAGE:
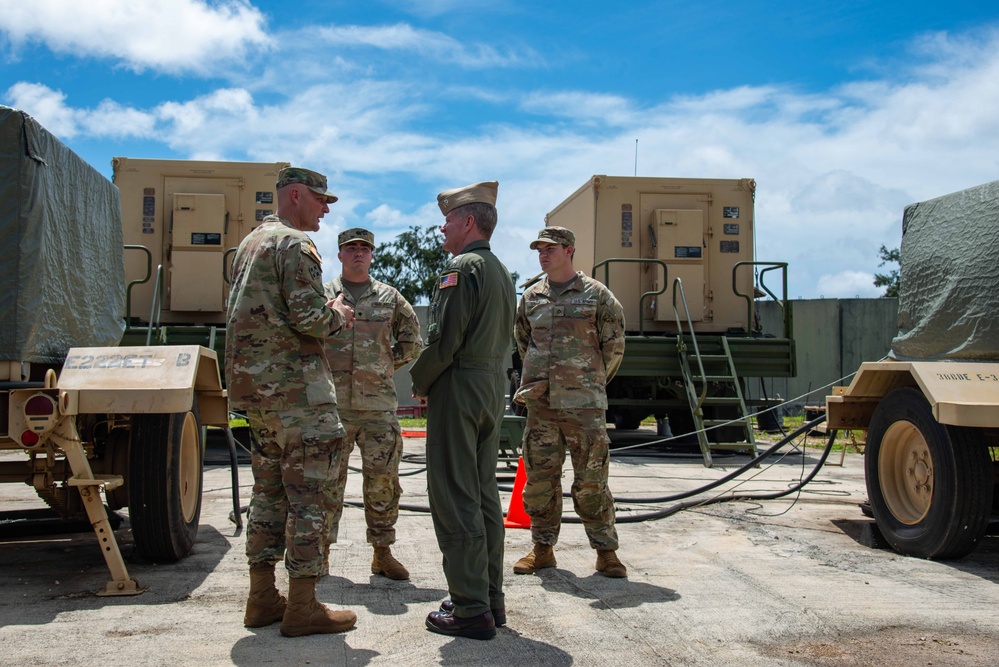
(264, 604)
(384, 563)
(541, 556)
(306, 616)
(609, 565)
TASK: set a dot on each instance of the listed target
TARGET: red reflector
(29, 438)
(39, 406)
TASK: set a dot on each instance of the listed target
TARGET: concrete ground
(748, 583)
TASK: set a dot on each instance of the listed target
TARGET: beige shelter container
(191, 216)
(700, 229)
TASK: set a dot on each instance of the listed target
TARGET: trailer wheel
(929, 484)
(165, 478)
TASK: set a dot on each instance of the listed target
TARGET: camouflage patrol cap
(559, 235)
(310, 179)
(476, 193)
(355, 234)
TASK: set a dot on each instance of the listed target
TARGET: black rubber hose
(669, 511)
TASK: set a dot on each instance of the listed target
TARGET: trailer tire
(166, 456)
(929, 484)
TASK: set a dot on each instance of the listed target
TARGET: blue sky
(844, 112)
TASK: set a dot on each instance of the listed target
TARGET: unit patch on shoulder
(449, 280)
(315, 271)
(311, 251)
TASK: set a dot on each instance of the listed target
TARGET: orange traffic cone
(516, 517)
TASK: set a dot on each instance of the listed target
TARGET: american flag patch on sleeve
(449, 280)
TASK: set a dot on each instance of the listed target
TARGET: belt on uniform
(490, 364)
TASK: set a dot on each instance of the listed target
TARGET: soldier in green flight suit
(461, 373)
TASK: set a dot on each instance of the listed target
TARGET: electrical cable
(804, 428)
(669, 511)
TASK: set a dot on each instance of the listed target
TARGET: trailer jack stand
(89, 485)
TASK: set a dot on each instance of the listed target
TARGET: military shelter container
(191, 216)
(700, 228)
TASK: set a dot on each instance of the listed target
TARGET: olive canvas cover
(949, 269)
(62, 274)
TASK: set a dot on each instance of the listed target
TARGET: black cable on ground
(804, 428)
(669, 511)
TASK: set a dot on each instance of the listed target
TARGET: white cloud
(47, 106)
(588, 108)
(847, 285)
(111, 119)
(434, 46)
(393, 221)
(439, 7)
(175, 36)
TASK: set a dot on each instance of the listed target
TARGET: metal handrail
(128, 289)
(633, 260)
(782, 302)
(157, 307)
(680, 346)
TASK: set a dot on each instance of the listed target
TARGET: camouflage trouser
(547, 436)
(379, 440)
(295, 454)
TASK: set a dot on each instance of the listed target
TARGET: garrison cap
(310, 179)
(476, 193)
(355, 234)
(559, 235)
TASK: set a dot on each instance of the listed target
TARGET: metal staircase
(711, 370)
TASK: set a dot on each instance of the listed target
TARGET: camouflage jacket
(571, 344)
(277, 322)
(363, 358)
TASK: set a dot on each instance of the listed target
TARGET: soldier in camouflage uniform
(570, 335)
(461, 372)
(276, 371)
(363, 361)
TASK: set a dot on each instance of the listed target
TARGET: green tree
(411, 262)
(890, 280)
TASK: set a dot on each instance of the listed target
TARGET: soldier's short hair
(484, 214)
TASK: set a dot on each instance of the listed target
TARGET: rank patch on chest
(449, 280)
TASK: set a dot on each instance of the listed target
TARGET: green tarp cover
(62, 269)
(949, 298)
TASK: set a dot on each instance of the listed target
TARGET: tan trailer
(128, 422)
(932, 413)
(97, 394)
